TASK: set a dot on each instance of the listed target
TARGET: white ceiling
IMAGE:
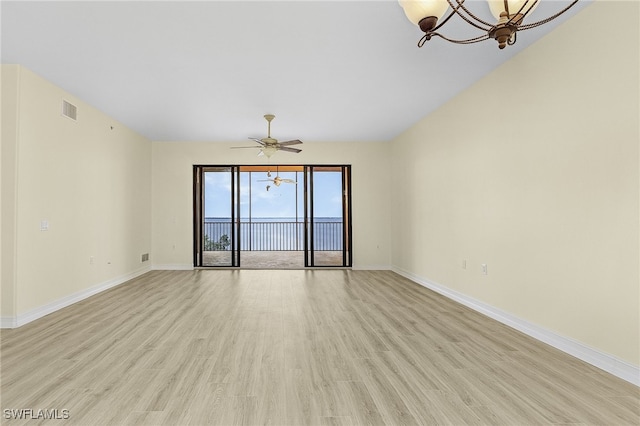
(209, 70)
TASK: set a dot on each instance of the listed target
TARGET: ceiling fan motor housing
(268, 146)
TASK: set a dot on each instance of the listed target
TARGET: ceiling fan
(268, 146)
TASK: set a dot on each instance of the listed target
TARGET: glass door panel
(327, 217)
(271, 224)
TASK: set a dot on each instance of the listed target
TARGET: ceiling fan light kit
(269, 146)
(268, 151)
(509, 14)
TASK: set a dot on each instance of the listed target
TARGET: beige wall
(534, 171)
(8, 152)
(172, 194)
(90, 182)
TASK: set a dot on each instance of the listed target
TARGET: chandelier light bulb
(417, 10)
(524, 7)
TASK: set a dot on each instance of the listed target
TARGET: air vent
(145, 257)
(69, 110)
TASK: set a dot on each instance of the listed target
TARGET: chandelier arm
(469, 21)
(454, 11)
(444, 21)
(519, 16)
(467, 41)
(506, 6)
(549, 19)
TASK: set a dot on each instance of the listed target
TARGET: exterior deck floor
(272, 259)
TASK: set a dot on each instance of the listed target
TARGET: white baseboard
(8, 322)
(173, 267)
(34, 314)
(595, 357)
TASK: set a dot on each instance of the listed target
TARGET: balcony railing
(273, 236)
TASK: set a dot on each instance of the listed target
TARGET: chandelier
(509, 14)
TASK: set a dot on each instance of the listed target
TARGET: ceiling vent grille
(69, 110)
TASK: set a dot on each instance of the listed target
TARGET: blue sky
(278, 201)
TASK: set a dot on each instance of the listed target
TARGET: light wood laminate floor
(297, 347)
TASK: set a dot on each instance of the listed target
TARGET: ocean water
(273, 233)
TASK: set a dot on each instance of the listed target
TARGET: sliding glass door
(216, 207)
(280, 216)
(328, 216)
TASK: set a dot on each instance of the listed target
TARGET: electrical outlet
(464, 263)
(91, 260)
(484, 269)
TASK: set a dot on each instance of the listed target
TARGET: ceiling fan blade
(258, 140)
(292, 142)
(288, 181)
(284, 148)
(242, 147)
(265, 180)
